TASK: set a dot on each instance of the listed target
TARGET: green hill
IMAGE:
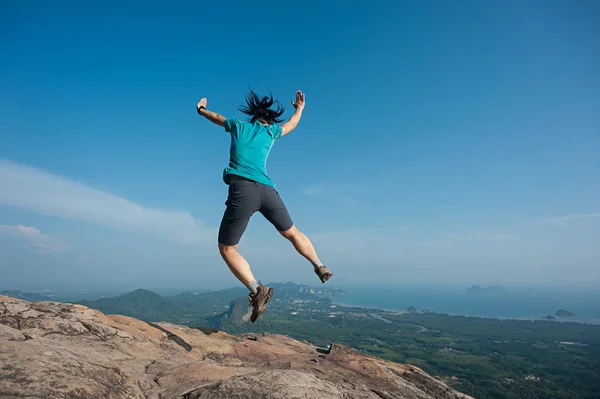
(28, 296)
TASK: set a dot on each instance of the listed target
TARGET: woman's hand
(201, 103)
(299, 104)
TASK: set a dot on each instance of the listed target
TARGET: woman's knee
(290, 233)
(226, 250)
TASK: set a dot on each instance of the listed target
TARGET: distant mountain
(143, 304)
(477, 289)
(28, 296)
(199, 308)
(564, 313)
(285, 290)
(185, 308)
(237, 314)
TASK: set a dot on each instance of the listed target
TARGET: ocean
(509, 303)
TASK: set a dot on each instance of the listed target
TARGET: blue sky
(441, 142)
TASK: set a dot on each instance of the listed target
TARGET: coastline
(400, 312)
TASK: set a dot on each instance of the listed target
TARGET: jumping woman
(251, 189)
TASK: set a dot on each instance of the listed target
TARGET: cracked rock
(60, 350)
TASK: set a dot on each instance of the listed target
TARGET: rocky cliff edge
(59, 350)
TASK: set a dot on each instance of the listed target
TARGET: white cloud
(44, 193)
(359, 239)
(394, 237)
(563, 220)
(484, 237)
(431, 244)
(312, 191)
(43, 242)
(336, 193)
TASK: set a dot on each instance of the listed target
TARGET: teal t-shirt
(249, 150)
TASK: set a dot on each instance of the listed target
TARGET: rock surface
(56, 350)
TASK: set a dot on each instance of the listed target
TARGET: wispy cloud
(336, 193)
(483, 237)
(358, 239)
(400, 236)
(48, 194)
(313, 191)
(564, 220)
(44, 242)
(433, 244)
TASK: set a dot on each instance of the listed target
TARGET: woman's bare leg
(303, 245)
(236, 263)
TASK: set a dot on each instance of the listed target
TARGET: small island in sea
(477, 289)
(564, 313)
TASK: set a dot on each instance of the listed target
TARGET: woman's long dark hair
(261, 108)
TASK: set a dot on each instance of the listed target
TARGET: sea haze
(503, 302)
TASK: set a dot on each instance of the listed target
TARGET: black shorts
(246, 197)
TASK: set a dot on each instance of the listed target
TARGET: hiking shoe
(323, 273)
(259, 301)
